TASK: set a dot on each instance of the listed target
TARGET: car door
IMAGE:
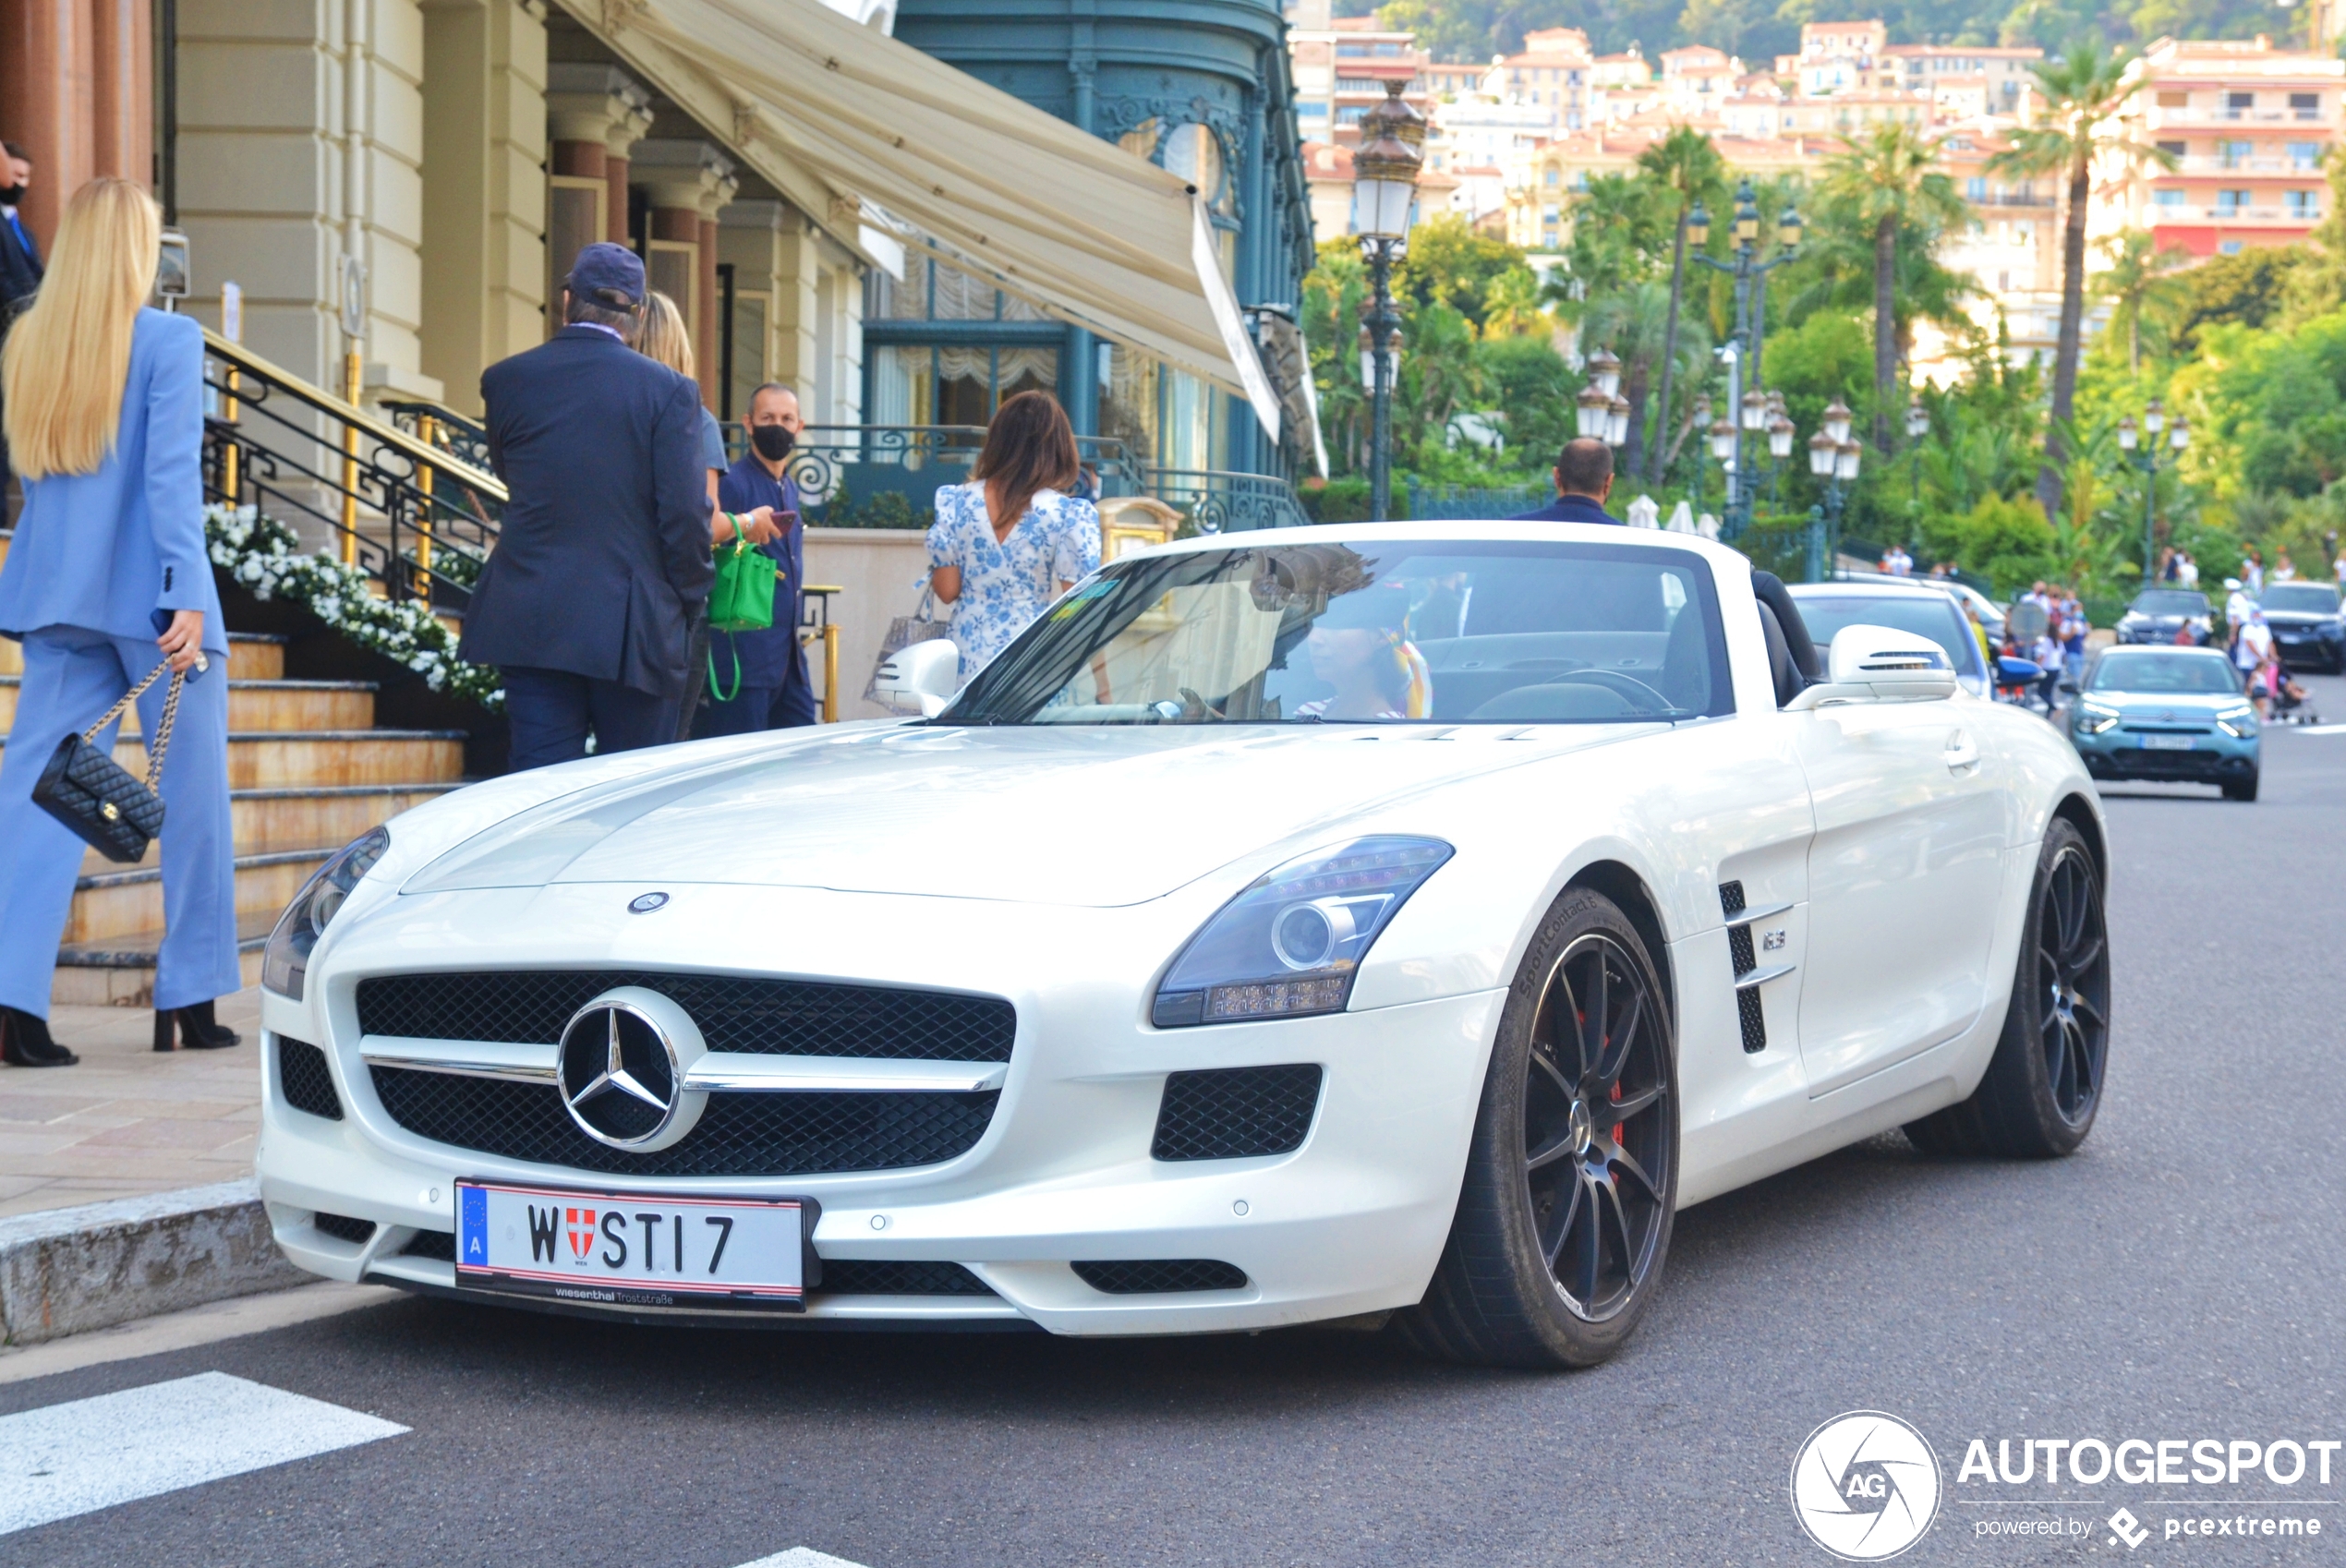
(1905, 870)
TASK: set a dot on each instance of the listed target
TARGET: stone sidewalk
(127, 1121)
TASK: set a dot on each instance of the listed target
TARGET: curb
(68, 1270)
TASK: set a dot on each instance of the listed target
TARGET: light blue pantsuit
(71, 676)
(99, 559)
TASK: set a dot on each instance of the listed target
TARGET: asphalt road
(2179, 1279)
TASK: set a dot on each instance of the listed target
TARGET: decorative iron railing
(413, 516)
(1220, 503)
(436, 425)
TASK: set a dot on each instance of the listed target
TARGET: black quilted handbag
(111, 811)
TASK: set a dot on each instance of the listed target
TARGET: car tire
(2243, 789)
(1563, 1217)
(2043, 1086)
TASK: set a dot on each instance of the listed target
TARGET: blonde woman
(103, 402)
(666, 339)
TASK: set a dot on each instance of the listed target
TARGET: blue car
(2168, 713)
(2307, 624)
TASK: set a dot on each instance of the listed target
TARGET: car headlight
(2237, 722)
(1291, 943)
(285, 961)
(2093, 717)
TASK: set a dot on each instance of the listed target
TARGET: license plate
(619, 1249)
(2169, 742)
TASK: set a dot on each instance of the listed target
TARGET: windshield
(1370, 632)
(2202, 675)
(1928, 616)
(2302, 598)
(2169, 601)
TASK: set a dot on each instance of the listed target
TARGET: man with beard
(761, 676)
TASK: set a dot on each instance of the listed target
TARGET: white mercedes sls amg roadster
(1346, 922)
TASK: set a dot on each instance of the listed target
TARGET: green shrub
(2008, 542)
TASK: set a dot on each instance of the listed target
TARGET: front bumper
(1352, 1222)
(2215, 758)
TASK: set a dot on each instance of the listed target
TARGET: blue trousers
(756, 709)
(550, 713)
(70, 677)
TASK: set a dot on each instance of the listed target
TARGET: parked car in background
(2174, 715)
(2158, 615)
(2307, 625)
(1991, 614)
(1909, 604)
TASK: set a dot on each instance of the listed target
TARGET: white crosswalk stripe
(801, 1557)
(66, 1459)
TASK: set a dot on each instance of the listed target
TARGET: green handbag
(741, 599)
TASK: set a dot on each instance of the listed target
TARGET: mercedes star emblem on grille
(621, 1067)
(644, 903)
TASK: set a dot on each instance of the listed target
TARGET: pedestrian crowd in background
(595, 605)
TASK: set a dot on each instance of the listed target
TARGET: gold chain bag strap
(113, 811)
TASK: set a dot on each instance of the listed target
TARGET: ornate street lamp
(1835, 460)
(1385, 181)
(1595, 412)
(2129, 439)
(1605, 371)
(1616, 430)
(1918, 427)
(1750, 275)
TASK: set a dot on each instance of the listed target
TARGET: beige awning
(1076, 225)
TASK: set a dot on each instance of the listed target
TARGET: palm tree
(2084, 92)
(1689, 167)
(2137, 279)
(1886, 180)
(1635, 323)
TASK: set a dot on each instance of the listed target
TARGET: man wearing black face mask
(19, 260)
(774, 691)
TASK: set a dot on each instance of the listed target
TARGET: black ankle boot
(25, 1042)
(197, 1029)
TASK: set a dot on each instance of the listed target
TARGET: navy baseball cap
(604, 268)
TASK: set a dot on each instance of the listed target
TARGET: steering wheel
(1628, 686)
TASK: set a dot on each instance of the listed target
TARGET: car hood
(2298, 618)
(2182, 704)
(1040, 814)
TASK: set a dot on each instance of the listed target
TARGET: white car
(1339, 922)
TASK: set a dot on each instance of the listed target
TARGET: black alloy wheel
(1596, 1163)
(2044, 1084)
(2073, 983)
(1565, 1214)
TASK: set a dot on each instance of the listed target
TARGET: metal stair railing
(413, 515)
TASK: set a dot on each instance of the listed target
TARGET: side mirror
(1880, 664)
(920, 677)
(2013, 671)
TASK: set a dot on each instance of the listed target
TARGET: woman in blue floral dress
(1008, 542)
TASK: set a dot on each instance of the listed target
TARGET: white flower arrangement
(262, 554)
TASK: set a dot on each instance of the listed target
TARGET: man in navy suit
(1584, 478)
(602, 561)
(765, 672)
(19, 257)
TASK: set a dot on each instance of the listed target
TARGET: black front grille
(882, 1276)
(439, 1244)
(1234, 1113)
(1160, 1276)
(1731, 899)
(303, 1077)
(785, 1017)
(740, 1135)
(342, 1227)
(2169, 765)
(1754, 1018)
